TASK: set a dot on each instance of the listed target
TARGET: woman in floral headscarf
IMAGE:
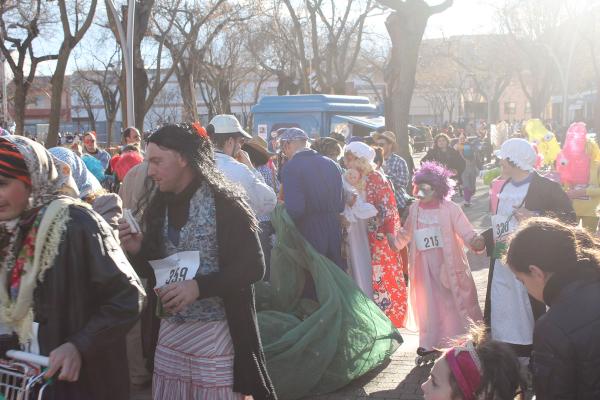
(108, 205)
(62, 270)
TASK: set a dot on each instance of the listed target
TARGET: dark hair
(369, 140)
(501, 377)
(220, 139)
(379, 159)
(130, 147)
(551, 246)
(438, 137)
(257, 158)
(339, 137)
(511, 163)
(326, 146)
(127, 133)
(198, 152)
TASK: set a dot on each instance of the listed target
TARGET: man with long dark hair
(200, 236)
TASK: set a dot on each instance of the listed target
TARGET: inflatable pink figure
(539, 161)
(572, 163)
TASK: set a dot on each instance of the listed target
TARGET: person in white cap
(228, 136)
(509, 311)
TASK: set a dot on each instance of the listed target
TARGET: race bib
(502, 227)
(429, 238)
(176, 268)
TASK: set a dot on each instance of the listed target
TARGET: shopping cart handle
(28, 357)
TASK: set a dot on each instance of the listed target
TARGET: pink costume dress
(443, 297)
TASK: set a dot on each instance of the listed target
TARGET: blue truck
(318, 115)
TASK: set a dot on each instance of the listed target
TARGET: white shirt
(260, 196)
(512, 317)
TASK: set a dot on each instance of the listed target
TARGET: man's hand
(244, 158)
(131, 242)
(478, 243)
(521, 214)
(176, 296)
(67, 359)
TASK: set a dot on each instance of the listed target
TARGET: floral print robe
(389, 288)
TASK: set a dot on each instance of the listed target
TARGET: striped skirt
(194, 360)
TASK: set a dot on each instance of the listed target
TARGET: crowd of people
(212, 264)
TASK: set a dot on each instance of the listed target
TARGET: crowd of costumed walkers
(210, 263)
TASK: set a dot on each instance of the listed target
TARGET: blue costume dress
(312, 186)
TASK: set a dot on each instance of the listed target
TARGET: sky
(464, 17)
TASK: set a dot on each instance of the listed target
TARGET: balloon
(490, 174)
(573, 163)
(545, 140)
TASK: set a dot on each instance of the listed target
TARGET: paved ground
(399, 379)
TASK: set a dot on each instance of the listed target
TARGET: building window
(528, 108)
(38, 101)
(510, 108)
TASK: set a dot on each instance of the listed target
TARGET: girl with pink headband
(478, 369)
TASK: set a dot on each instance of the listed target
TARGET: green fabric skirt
(316, 347)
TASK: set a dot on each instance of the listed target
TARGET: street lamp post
(127, 48)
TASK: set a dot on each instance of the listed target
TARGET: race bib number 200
(429, 238)
(176, 268)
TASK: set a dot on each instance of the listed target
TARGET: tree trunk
(19, 105)
(140, 89)
(538, 107)
(493, 109)
(225, 96)
(91, 117)
(406, 35)
(109, 130)
(58, 80)
(188, 94)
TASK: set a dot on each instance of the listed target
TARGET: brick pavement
(400, 379)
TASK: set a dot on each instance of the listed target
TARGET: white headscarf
(361, 150)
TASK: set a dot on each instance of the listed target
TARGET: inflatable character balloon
(545, 140)
(573, 163)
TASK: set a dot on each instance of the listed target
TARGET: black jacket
(548, 199)
(90, 297)
(566, 342)
(241, 263)
(450, 158)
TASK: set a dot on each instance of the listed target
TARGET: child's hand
(352, 201)
(478, 243)
(392, 242)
